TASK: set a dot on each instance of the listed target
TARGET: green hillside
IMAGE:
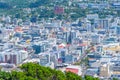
(32, 71)
(45, 9)
(18, 3)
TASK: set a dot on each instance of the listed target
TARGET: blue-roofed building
(92, 71)
(94, 55)
(110, 40)
(116, 5)
(38, 48)
(102, 32)
(68, 59)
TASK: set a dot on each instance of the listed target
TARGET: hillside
(33, 71)
(45, 9)
(18, 3)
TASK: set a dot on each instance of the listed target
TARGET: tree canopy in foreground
(33, 71)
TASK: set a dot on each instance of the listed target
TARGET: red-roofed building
(59, 60)
(61, 46)
(58, 10)
(72, 70)
(68, 45)
(82, 44)
(18, 29)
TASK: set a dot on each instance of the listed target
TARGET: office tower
(44, 59)
(95, 39)
(38, 48)
(103, 24)
(118, 30)
(62, 56)
(70, 36)
(104, 71)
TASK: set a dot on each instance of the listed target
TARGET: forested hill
(39, 8)
(13, 7)
(33, 71)
(24, 3)
(45, 9)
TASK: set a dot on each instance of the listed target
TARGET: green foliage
(114, 79)
(39, 3)
(72, 76)
(5, 76)
(45, 9)
(4, 5)
(33, 71)
(84, 61)
(19, 3)
(58, 75)
(90, 78)
(77, 63)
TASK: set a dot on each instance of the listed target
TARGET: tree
(33, 71)
(4, 5)
(72, 76)
(39, 3)
(114, 79)
(58, 75)
(87, 77)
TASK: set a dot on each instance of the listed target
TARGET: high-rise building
(103, 24)
(104, 71)
(62, 56)
(13, 57)
(44, 59)
(95, 39)
(118, 30)
(38, 48)
(70, 36)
